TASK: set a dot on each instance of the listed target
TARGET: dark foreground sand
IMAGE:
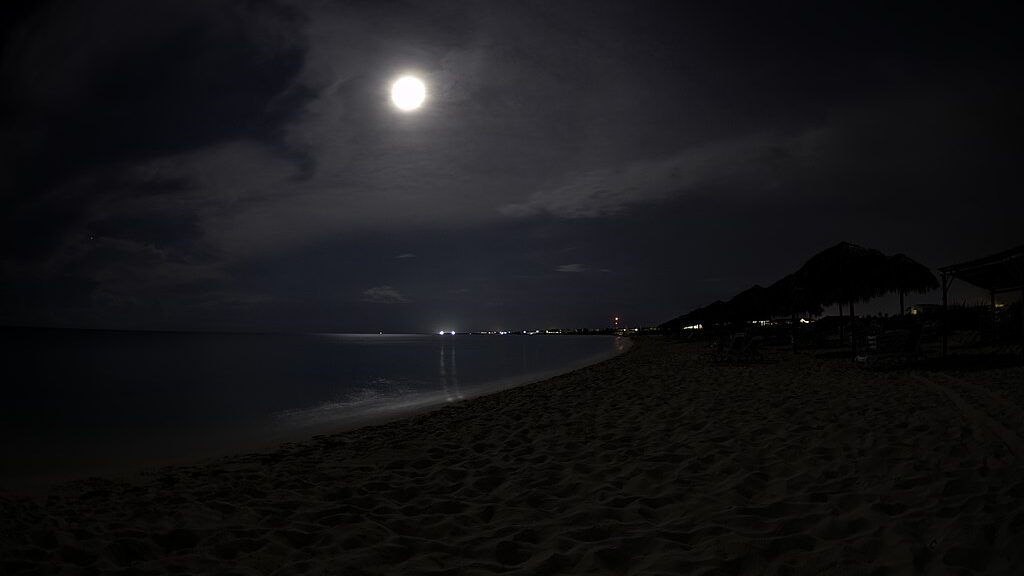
(655, 462)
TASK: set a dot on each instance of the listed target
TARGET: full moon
(408, 93)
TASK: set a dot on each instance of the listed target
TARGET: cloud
(277, 157)
(384, 295)
(201, 142)
(749, 161)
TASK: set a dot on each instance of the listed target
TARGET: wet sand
(658, 461)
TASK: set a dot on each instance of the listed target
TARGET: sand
(655, 462)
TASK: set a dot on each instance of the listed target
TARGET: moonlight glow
(408, 93)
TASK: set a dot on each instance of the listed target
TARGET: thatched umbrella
(908, 275)
(713, 313)
(789, 296)
(754, 303)
(845, 273)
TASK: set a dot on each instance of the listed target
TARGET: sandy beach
(658, 461)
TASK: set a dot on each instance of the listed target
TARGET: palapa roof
(844, 273)
(908, 275)
(1000, 272)
(841, 273)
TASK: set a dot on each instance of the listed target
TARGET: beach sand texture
(655, 462)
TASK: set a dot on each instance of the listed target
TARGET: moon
(408, 93)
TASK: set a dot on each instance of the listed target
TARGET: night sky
(239, 164)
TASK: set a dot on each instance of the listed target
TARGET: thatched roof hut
(908, 275)
(844, 273)
(754, 303)
(791, 295)
(714, 313)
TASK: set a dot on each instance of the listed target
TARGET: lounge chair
(898, 347)
(740, 348)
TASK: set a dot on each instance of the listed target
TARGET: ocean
(79, 402)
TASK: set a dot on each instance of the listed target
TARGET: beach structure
(842, 274)
(792, 298)
(714, 313)
(845, 273)
(754, 303)
(908, 275)
(999, 273)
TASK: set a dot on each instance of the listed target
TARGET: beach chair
(895, 347)
(730, 345)
(740, 348)
(752, 351)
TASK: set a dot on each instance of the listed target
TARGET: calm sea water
(77, 402)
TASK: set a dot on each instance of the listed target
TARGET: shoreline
(655, 461)
(272, 439)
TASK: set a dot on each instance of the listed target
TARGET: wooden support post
(795, 327)
(853, 330)
(842, 327)
(992, 308)
(945, 313)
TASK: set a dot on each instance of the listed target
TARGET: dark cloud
(384, 295)
(237, 163)
(92, 89)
